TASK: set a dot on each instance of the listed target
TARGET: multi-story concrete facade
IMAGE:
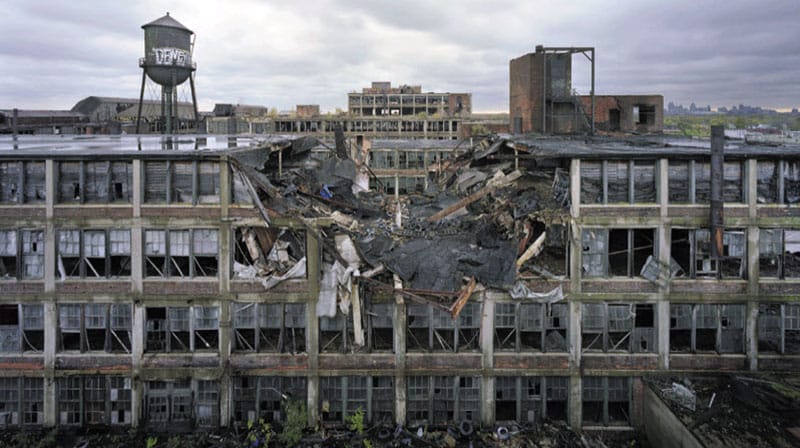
(124, 297)
(383, 100)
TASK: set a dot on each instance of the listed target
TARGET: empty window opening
(270, 327)
(70, 176)
(15, 337)
(94, 327)
(336, 334)
(93, 253)
(644, 114)
(779, 253)
(256, 398)
(707, 328)
(778, 182)
(381, 327)
(691, 249)
(432, 329)
(617, 327)
(606, 401)
(531, 327)
(207, 415)
(181, 329)
(21, 254)
(181, 253)
(441, 399)
(618, 181)
(616, 252)
(94, 400)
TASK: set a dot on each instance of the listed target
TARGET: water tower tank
(167, 51)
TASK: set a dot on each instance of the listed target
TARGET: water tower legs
(141, 99)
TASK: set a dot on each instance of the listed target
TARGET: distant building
(111, 114)
(384, 100)
(44, 122)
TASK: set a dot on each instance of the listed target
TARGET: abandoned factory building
(425, 282)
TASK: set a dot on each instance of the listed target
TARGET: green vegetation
(260, 434)
(296, 422)
(699, 126)
(356, 422)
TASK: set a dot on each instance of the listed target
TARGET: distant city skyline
(279, 54)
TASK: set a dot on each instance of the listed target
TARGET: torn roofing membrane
(467, 224)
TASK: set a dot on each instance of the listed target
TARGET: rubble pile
(735, 410)
(480, 220)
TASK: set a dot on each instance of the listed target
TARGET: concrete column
(400, 390)
(487, 349)
(225, 255)
(574, 335)
(312, 328)
(225, 193)
(225, 385)
(49, 391)
(49, 230)
(137, 351)
(575, 187)
(662, 328)
(137, 241)
(575, 402)
(753, 234)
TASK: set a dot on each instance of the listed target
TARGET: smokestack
(717, 171)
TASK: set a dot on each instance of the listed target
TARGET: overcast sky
(282, 53)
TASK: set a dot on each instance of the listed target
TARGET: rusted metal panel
(716, 219)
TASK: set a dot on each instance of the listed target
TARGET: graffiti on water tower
(170, 56)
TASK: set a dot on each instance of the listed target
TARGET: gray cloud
(280, 54)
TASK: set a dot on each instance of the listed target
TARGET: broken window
(606, 401)
(779, 253)
(22, 182)
(342, 396)
(691, 249)
(181, 253)
(22, 254)
(617, 327)
(433, 329)
(94, 253)
(689, 182)
(32, 401)
(94, 182)
(778, 182)
(531, 327)
(616, 252)
(439, 400)
(21, 328)
(94, 327)
(262, 252)
(182, 182)
(269, 327)
(168, 403)
(9, 402)
(256, 398)
(530, 399)
(335, 333)
(779, 328)
(618, 181)
(181, 329)
(707, 328)
(207, 404)
(381, 327)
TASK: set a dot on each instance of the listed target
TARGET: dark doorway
(613, 120)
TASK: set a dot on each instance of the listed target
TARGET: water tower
(167, 61)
